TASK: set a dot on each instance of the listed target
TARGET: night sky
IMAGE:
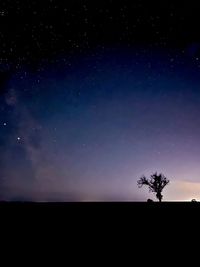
(94, 94)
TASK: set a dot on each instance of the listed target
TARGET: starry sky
(94, 94)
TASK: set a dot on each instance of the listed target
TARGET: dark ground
(79, 223)
(90, 211)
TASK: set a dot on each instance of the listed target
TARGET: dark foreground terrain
(101, 220)
(97, 210)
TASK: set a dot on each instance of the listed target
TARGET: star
(2, 13)
(18, 138)
(4, 124)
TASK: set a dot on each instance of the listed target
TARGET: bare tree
(156, 183)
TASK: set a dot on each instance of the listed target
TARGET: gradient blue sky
(88, 130)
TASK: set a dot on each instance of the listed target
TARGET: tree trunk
(159, 196)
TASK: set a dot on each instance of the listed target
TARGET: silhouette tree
(156, 183)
